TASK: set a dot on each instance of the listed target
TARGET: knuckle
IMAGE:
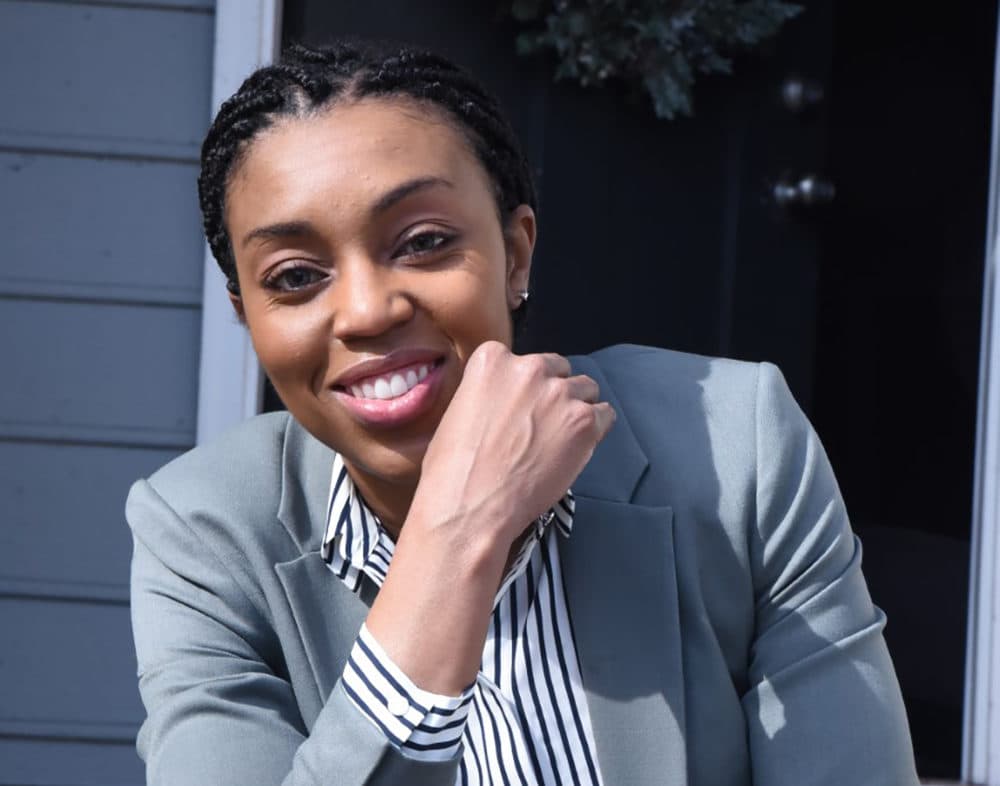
(534, 366)
(485, 355)
(489, 349)
(582, 416)
(555, 389)
(538, 362)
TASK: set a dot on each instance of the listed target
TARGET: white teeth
(397, 385)
(392, 385)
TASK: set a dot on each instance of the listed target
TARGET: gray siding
(61, 655)
(100, 290)
(98, 372)
(140, 220)
(69, 544)
(105, 79)
(35, 761)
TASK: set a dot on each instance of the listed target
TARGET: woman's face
(372, 263)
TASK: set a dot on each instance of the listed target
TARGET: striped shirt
(525, 719)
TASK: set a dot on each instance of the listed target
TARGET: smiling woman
(393, 582)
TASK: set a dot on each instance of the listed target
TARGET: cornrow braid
(307, 79)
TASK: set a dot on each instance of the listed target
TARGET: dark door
(670, 234)
(900, 294)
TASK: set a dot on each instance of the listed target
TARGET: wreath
(656, 46)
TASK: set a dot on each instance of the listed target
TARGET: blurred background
(825, 208)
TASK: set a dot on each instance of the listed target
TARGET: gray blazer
(723, 627)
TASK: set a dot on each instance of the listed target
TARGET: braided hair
(308, 79)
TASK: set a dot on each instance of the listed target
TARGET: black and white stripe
(525, 719)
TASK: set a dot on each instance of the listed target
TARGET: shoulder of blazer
(260, 487)
(690, 417)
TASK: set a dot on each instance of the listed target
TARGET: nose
(369, 300)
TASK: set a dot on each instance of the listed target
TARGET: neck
(390, 500)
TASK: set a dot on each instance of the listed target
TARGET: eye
(293, 278)
(423, 243)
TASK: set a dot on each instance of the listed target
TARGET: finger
(584, 388)
(556, 365)
(604, 418)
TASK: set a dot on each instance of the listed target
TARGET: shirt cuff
(426, 726)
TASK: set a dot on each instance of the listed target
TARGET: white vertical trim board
(247, 36)
(981, 733)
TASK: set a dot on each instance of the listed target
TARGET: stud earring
(523, 294)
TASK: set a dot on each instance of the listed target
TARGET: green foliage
(661, 46)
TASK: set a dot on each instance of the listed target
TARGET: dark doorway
(669, 234)
(900, 294)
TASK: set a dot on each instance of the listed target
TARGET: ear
(237, 302)
(520, 236)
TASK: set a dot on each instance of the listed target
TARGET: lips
(391, 390)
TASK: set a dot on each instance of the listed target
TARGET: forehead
(352, 152)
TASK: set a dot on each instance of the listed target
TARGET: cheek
(290, 344)
(474, 309)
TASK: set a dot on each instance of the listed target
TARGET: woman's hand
(515, 436)
(512, 441)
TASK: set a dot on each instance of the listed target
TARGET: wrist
(469, 542)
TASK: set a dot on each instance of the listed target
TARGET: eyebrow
(404, 190)
(281, 230)
(303, 229)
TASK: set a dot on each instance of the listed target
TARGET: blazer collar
(306, 464)
(618, 462)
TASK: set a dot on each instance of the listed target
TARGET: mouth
(392, 384)
(391, 391)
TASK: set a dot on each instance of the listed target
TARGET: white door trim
(981, 728)
(247, 36)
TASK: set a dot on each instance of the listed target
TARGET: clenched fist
(515, 436)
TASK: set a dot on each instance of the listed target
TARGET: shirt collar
(352, 530)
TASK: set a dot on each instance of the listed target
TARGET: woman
(451, 564)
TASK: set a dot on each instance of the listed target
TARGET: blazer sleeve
(218, 712)
(824, 706)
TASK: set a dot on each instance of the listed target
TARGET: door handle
(806, 191)
(798, 94)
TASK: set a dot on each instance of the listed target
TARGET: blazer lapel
(306, 464)
(327, 616)
(621, 589)
(329, 627)
(618, 463)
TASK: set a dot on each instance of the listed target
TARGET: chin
(391, 455)
(395, 466)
